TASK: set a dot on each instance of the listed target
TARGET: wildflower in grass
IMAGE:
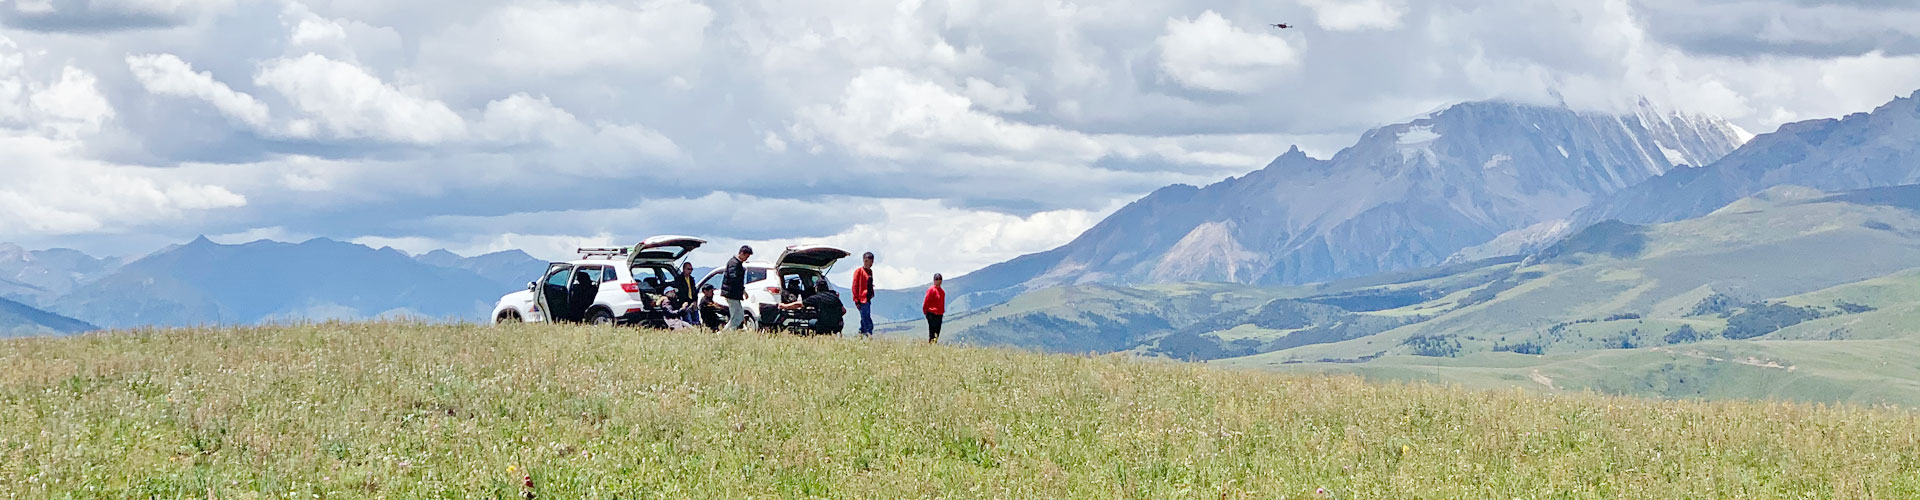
(1320, 491)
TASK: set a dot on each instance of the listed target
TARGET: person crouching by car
(830, 316)
(936, 309)
(712, 314)
(733, 287)
(678, 314)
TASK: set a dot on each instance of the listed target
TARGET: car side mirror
(531, 286)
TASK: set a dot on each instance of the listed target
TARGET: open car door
(551, 292)
(817, 258)
(795, 272)
(663, 249)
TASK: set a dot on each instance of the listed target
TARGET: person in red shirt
(936, 308)
(863, 294)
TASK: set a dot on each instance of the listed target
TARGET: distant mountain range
(1406, 196)
(1863, 150)
(512, 269)
(40, 275)
(203, 282)
(1860, 151)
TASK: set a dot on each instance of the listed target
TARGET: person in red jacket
(936, 308)
(863, 294)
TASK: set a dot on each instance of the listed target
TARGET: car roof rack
(607, 252)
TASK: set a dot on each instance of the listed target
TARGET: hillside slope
(399, 411)
(20, 320)
(1405, 196)
(1723, 275)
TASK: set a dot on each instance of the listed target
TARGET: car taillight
(630, 287)
(773, 290)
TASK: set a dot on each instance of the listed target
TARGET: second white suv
(608, 286)
(767, 282)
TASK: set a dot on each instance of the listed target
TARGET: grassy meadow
(384, 410)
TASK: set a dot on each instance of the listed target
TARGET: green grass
(408, 411)
(1867, 372)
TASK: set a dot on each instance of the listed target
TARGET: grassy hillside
(1095, 318)
(403, 411)
(1632, 286)
(1202, 321)
(1856, 372)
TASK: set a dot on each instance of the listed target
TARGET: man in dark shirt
(733, 287)
(830, 315)
(686, 281)
(712, 314)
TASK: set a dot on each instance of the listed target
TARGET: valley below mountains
(1783, 294)
(1788, 267)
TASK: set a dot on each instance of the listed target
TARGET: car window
(560, 277)
(807, 279)
(644, 273)
(607, 274)
(593, 273)
(755, 275)
(711, 278)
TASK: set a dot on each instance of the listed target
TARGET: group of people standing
(934, 305)
(733, 289)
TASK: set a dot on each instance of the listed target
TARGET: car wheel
(509, 317)
(601, 317)
(751, 323)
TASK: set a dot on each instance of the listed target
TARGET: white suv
(608, 286)
(802, 264)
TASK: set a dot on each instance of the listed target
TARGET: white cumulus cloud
(1208, 53)
(72, 105)
(49, 191)
(1356, 15)
(890, 113)
(166, 74)
(552, 37)
(359, 117)
(342, 100)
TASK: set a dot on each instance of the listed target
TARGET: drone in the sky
(1281, 25)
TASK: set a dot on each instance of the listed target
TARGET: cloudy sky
(944, 134)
